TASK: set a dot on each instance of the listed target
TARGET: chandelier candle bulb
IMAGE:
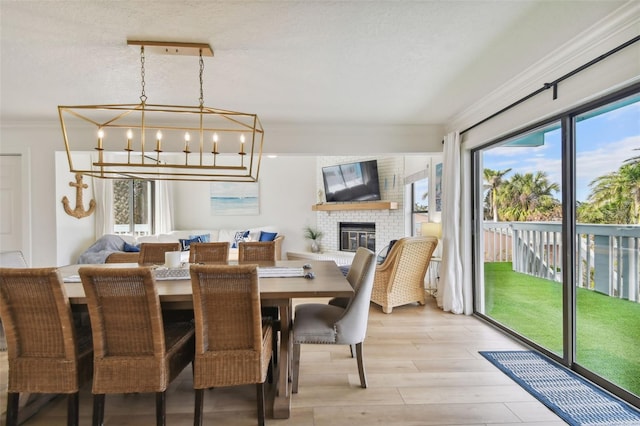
(241, 144)
(215, 144)
(187, 138)
(100, 136)
(158, 140)
(129, 137)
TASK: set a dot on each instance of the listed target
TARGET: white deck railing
(609, 254)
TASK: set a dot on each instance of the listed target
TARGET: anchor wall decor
(78, 212)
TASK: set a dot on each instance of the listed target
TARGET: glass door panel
(519, 236)
(607, 263)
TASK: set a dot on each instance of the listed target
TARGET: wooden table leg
(282, 399)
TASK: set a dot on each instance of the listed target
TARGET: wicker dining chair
(9, 259)
(135, 350)
(47, 353)
(263, 253)
(217, 252)
(260, 252)
(399, 280)
(153, 253)
(319, 323)
(233, 343)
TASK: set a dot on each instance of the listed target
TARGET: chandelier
(163, 142)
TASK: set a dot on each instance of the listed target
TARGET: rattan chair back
(261, 252)
(233, 345)
(153, 253)
(399, 280)
(46, 353)
(135, 351)
(217, 252)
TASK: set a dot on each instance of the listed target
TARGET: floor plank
(422, 368)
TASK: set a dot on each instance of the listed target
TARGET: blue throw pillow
(267, 236)
(130, 248)
(240, 235)
(186, 243)
(204, 238)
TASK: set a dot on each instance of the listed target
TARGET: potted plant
(314, 235)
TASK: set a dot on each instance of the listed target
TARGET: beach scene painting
(235, 198)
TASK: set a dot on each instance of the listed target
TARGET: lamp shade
(431, 229)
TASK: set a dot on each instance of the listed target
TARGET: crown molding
(589, 44)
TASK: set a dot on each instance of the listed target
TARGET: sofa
(112, 248)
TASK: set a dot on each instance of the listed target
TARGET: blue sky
(604, 142)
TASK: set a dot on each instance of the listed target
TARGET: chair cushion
(314, 323)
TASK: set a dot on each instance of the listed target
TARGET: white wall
(287, 191)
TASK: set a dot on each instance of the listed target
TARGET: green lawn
(608, 328)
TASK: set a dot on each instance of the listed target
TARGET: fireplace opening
(357, 234)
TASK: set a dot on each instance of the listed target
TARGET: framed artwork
(235, 198)
(438, 187)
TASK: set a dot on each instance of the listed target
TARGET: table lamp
(431, 229)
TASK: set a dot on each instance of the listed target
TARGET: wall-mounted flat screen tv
(352, 182)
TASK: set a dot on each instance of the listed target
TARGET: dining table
(325, 281)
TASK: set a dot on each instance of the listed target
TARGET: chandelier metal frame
(164, 142)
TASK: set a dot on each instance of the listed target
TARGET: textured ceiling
(342, 62)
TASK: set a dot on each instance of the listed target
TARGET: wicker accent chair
(135, 350)
(399, 280)
(46, 352)
(217, 252)
(153, 253)
(319, 323)
(261, 252)
(233, 344)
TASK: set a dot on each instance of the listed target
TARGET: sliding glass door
(607, 235)
(557, 239)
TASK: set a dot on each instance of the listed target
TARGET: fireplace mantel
(369, 205)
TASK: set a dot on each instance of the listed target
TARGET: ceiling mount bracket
(173, 47)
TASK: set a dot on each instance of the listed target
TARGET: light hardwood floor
(423, 368)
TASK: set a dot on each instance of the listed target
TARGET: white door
(11, 203)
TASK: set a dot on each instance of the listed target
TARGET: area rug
(576, 400)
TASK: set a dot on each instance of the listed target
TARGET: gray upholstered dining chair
(328, 324)
(47, 352)
(356, 274)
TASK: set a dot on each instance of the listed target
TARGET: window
(419, 204)
(133, 202)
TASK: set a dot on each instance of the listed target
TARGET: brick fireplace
(385, 224)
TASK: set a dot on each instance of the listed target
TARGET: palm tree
(493, 181)
(616, 196)
(528, 197)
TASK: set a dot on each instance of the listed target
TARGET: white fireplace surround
(389, 224)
